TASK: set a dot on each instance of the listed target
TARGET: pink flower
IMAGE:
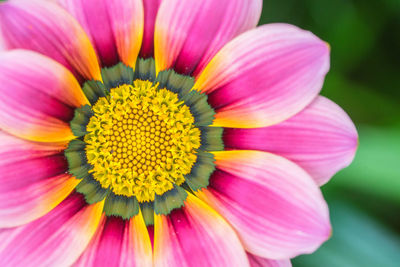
(210, 154)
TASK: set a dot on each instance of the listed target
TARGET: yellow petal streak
(139, 239)
(141, 140)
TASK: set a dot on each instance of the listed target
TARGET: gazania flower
(168, 134)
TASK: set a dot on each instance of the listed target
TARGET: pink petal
(119, 243)
(48, 29)
(56, 239)
(256, 261)
(37, 96)
(150, 13)
(275, 206)
(322, 139)
(265, 76)
(196, 236)
(189, 33)
(2, 44)
(114, 26)
(32, 180)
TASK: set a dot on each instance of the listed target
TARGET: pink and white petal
(321, 139)
(119, 243)
(256, 261)
(115, 27)
(35, 200)
(19, 171)
(56, 239)
(13, 149)
(189, 33)
(32, 180)
(265, 76)
(2, 44)
(196, 235)
(37, 96)
(47, 28)
(150, 13)
(274, 205)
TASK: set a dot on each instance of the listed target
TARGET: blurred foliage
(358, 240)
(364, 199)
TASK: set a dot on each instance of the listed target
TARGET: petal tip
(328, 46)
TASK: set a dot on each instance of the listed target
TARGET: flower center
(141, 140)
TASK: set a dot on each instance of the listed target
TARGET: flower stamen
(141, 140)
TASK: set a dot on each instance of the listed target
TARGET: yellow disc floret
(141, 141)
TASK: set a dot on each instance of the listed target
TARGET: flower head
(162, 132)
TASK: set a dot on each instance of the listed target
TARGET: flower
(204, 149)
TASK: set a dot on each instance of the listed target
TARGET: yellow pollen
(141, 141)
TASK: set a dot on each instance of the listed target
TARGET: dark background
(364, 199)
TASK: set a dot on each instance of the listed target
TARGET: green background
(364, 199)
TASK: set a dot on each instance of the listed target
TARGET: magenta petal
(322, 139)
(37, 97)
(265, 76)
(196, 236)
(56, 239)
(46, 28)
(33, 180)
(3, 45)
(119, 242)
(256, 261)
(115, 27)
(189, 33)
(150, 13)
(276, 208)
